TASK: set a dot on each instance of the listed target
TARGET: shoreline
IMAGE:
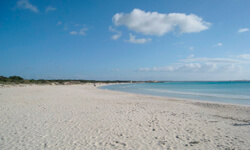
(175, 98)
(98, 85)
(86, 117)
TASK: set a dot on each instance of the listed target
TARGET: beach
(85, 117)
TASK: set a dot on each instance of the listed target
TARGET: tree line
(20, 80)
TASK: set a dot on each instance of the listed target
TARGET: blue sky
(125, 40)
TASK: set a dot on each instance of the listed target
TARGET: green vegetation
(12, 80)
(20, 80)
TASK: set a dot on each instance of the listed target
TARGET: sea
(232, 92)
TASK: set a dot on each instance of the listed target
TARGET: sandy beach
(85, 117)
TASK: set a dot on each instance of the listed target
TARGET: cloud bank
(214, 60)
(154, 23)
(205, 65)
(196, 67)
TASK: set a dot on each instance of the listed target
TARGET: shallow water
(234, 92)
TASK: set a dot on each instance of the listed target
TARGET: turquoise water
(223, 92)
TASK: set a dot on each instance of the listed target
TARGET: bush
(4, 79)
(16, 78)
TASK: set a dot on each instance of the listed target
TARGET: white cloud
(218, 44)
(191, 48)
(112, 29)
(133, 39)
(244, 56)
(154, 23)
(73, 33)
(243, 30)
(49, 8)
(83, 31)
(231, 68)
(117, 35)
(157, 69)
(190, 56)
(24, 4)
(74, 29)
(59, 23)
(188, 67)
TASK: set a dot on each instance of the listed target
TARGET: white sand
(84, 117)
